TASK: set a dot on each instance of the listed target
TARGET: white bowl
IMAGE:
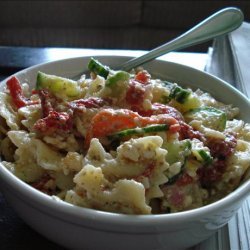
(82, 228)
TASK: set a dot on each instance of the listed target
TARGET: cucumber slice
(57, 85)
(98, 68)
(116, 85)
(179, 94)
(200, 152)
(177, 150)
(118, 76)
(203, 156)
(183, 98)
(139, 131)
(211, 117)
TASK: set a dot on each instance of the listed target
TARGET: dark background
(104, 24)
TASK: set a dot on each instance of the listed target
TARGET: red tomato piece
(175, 196)
(54, 122)
(135, 94)
(187, 132)
(91, 102)
(41, 184)
(16, 93)
(48, 102)
(220, 150)
(143, 77)
(158, 108)
(184, 180)
(147, 172)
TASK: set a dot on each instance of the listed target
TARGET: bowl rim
(114, 218)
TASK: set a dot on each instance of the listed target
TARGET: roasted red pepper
(48, 102)
(143, 77)
(91, 102)
(184, 180)
(220, 150)
(16, 93)
(158, 108)
(135, 94)
(60, 122)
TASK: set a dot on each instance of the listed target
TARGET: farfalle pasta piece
(125, 196)
(46, 157)
(145, 160)
(8, 113)
(31, 149)
(25, 166)
(72, 163)
(141, 159)
(30, 114)
(238, 164)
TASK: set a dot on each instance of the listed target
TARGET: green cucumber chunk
(200, 152)
(203, 156)
(177, 150)
(139, 131)
(57, 84)
(209, 116)
(179, 94)
(98, 68)
(118, 76)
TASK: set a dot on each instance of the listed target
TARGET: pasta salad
(122, 142)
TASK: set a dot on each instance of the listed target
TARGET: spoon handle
(222, 22)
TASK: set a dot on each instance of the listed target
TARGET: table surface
(14, 233)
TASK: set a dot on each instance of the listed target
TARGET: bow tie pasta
(122, 142)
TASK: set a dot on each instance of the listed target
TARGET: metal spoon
(220, 23)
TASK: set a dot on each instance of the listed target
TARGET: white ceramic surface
(80, 228)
